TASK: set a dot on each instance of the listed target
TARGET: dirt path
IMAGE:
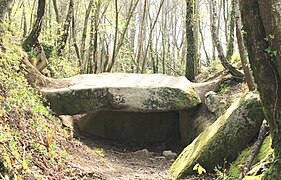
(107, 160)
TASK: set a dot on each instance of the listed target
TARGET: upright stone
(224, 139)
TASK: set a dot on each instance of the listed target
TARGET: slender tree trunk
(75, 40)
(230, 44)
(24, 21)
(4, 6)
(196, 22)
(65, 31)
(150, 36)
(118, 44)
(58, 17)
(84, 36)
(191, 52)
(212, 21)
(221, 55)
(242, 50)
(204, 47)
(141, 36)
(264, 68)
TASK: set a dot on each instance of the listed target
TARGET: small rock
(67, 121)
(215, 103)
(169, 154)
(143, 153)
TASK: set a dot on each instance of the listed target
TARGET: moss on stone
(224, 139)
(265, 150)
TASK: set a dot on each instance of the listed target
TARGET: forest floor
(103, 159)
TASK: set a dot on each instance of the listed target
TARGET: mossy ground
(31, 139)
(264, 152)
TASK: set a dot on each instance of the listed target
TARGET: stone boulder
(230, 133)
(121, 92)
(215, 103)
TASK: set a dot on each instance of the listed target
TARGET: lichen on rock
(224, 139)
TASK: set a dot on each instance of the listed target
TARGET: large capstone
(123, 92)
(136, 108)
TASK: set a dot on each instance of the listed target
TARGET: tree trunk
(204, 47)
(32, 38)
(75, 40)
(191, 52)
(242, 50)
(212, 21)
(84, 35)
(265, 70)
(141, 36)
(218, 44)
(119, 42)
(4, 6)
(272, 21)
(24, 23)
(65, 31)
(230, 43)
(58, 18)
(150, 36)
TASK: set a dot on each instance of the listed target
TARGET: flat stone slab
(121, 92)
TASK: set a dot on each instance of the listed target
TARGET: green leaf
(196, 167)
(24, 164)
(201, 170)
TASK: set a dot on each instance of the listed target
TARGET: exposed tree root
(255, 149)
(35, 78)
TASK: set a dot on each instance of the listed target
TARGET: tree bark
(230, 43)
(273, 17)
(84, 35)
(232, 70)
(4, 6)
(265, 70)
(150, 36)
(65, 31)
(119, 42)
(191, 52)
(58, 17)
(32, 38)
(75, 40)
(141, 36)
(242, 50)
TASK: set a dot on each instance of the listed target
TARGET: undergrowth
(31, 139)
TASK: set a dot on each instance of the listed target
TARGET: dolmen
(131, 108)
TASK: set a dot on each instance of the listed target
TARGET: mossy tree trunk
(260, 34)
(191, 43)
(230, 43)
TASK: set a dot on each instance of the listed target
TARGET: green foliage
(263, 155)
(235, 58)
(61, 67)
(29, 134)
(48, 49)
(199, 169)
(271, 50)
